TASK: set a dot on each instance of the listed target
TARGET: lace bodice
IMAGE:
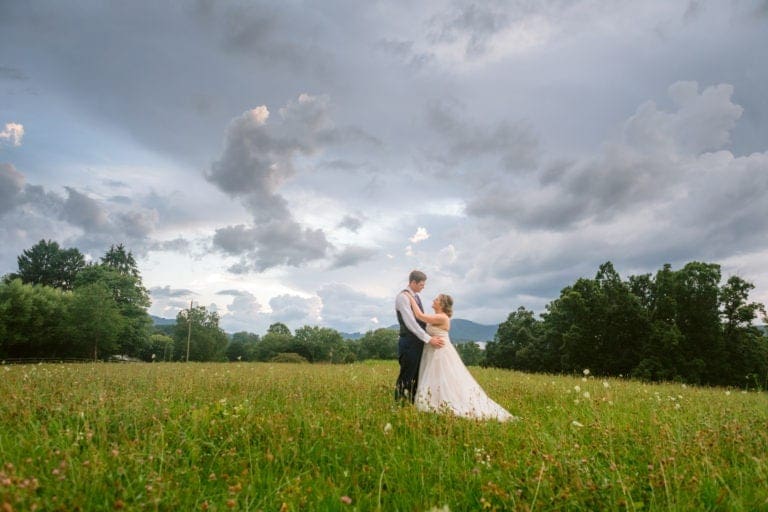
(437, 331)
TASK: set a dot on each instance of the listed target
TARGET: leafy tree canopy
(48, 264)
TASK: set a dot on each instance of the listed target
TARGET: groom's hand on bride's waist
(436, 341)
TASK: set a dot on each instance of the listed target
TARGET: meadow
(285, 437)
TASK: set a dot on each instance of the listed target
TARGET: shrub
(289, 357)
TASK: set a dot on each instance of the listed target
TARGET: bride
(445, 384)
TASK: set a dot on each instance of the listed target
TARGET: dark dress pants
(409, 349)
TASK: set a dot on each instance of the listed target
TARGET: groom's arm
(403, 305)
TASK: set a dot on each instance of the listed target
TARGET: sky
(292, 161)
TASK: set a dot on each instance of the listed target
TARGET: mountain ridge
(462, 331)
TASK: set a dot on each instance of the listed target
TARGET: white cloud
(420, 235)
(12, 134)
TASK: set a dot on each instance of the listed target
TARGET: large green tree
(94, 321)
(745, 346)
(277, 340)
(519, 343)
(32, 321)
(121, 260)
(48, 264)
(676, 325)
(118, 272)
(242, 346)
(377, 344)
(318, 343)
(198, 337)
(471, 353)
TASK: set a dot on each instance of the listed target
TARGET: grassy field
(275, 437)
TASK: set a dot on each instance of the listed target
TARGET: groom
(412, 337)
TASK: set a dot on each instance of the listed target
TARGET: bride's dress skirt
(445, 385)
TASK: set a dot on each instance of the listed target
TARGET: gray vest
(403, 329)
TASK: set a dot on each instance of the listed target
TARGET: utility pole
(189, 328)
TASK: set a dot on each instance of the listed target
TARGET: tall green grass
(314, 437)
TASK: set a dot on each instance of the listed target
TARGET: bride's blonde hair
(446, 304)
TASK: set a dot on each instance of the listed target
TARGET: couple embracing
(432, 374)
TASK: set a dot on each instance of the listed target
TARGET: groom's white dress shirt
(403, 305)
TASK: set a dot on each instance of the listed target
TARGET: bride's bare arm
(437, 319)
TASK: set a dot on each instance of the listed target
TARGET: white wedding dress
(445, 384)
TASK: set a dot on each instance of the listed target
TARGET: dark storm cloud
(656, 156)
(352, 256)
(475, 22)
(351, 223)
(234, 240)
(84, 212)
(11, 185)
(198, 64)
(78, 219)
(514, 146)
(269, 244)
(180, 245)
(168, 292)
(258, 158)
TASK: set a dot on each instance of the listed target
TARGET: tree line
(58, 306)
(675, 325)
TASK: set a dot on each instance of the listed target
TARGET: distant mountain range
(462, 331)
(163, 321)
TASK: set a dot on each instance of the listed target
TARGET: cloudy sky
(292, 161)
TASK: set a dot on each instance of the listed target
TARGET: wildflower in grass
(346, 500)
(727, 393)
(606, 384)
(387, 428)
(586, 395)
(482, 457)
(586, 371)
(577, 389)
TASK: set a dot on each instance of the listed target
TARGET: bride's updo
(446, 304)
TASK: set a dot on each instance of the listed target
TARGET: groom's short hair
(418, 276)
